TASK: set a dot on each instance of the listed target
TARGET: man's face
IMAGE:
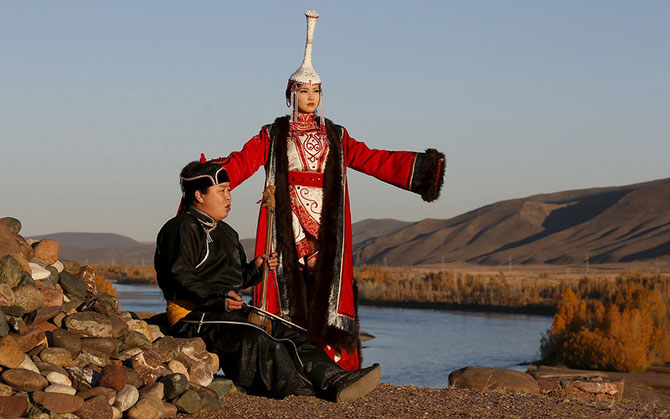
(216, 202)
(308, 98)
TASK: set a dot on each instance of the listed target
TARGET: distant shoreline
(486, 308)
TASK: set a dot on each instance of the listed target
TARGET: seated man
(201, 269)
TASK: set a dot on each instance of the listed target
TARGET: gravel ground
(389, 400)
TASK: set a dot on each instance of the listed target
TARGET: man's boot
(350, 385)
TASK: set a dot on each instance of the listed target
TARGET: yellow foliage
(104, 285)
(625, 332)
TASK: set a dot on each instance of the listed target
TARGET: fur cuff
(428, 174)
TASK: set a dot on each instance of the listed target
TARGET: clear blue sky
(102, 103)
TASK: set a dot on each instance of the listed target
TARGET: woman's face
(308, 98)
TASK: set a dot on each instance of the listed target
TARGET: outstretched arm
(422, 173)
(240, 165)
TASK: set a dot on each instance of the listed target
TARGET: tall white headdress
(305, 74)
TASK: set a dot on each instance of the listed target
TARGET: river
(416, 346)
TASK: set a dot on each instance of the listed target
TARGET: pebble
(89, 323)
(58, 403)
(60, 388)
(12, 224)
(28, 364)
(39, 273)
(10, 271)
(58, 356)
(55, 377)
(58, 265)
(47, 250)
(24, 380)
(126, 398)
(28, 297)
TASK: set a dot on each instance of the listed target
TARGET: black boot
(307, 389)
(350, 385)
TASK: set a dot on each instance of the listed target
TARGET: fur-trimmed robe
(330, 313)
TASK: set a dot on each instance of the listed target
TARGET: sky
(102, 103)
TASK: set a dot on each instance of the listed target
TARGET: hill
(605, 225)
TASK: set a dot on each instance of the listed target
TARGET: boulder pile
(68, 351)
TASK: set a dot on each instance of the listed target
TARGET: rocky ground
(389, 400)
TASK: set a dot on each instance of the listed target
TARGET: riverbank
(389, 400)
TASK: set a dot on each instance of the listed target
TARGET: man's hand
(233, 301)
(272, 262)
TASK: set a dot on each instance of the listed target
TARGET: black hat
(197, 175)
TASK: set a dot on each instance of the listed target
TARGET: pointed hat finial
(306, 73)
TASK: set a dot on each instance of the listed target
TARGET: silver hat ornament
(305, 74)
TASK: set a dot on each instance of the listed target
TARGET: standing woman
(306, 158)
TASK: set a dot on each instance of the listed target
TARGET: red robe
(329, 312)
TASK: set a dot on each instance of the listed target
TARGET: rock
(60, 388)
(156, 389)
(58, 356)
(108, 393)
(148, 408)
(99, 347)
(215, 361)
(47, 250)
(197, 361)
(12, 224)
(175, 384)
(58, 319)
(5, 390)
(28, 297)
(155, 332)
(16, 323)
(119, 326)
(222, 386)
(127, 354)
(14, 406)
(42, 315)
(95, 407)
(70, 341)
(85, 359)
(4, 326)
(10, 271)
(140, 326)
(178, 368)
(133, 378)
(33, 353)
(6, 295)
(58, 378)
(26, 274)
(116, 413)
(47, 367)
(106, 304)
(52, 296)
(192, 402)
(72, 286)
(14, 311)
(58, 402)
(114, 376)
(38, 273)
(83, 378)
(26, 278)
(8, 244)
(54, 274)
(202, 389)
(71, 266)
(31, 338)
(149, 366)
(87, 276)
(25, 250)
(484, 378)
(167, 347)
(11, 355)
(58, 265)
(582, 387)
(24, 380)
(134, 339)
(126, 398)
(89, 323)
(28, 364)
